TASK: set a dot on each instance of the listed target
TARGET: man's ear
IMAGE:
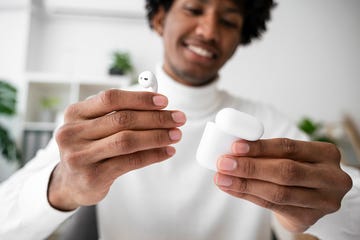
(158, 21)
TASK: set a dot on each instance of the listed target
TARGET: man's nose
(208, 28)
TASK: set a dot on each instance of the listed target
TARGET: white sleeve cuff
(343, 224)
(37, 215)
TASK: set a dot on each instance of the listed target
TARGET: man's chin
(198, 80)
(194, 75)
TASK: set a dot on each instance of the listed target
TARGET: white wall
(84, 45)
(308, 63)
(13, 41)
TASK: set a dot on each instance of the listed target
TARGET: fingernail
(160, 101)
(241, 148)
(224, 181)
(227, 164)
(175, 134)
(170, 151)
(178, 117)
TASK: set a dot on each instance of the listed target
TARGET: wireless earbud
(148, 81)
(230, 125)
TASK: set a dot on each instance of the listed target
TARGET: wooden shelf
(48, 77)
(39, 126)
(353, 134)
(67, 88)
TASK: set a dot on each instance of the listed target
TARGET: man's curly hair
(256, 14)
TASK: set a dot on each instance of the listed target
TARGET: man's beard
(190, 78)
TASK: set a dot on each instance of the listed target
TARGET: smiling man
(105, 150)
(196, 47)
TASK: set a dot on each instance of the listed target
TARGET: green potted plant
(121, 64)
(314, 130)
(8, 99)
(49, 107)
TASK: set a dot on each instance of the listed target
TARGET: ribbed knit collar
(196, 102)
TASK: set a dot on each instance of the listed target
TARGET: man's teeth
(200, 51)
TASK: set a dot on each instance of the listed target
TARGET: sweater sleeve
(25, 212)
(344, 223)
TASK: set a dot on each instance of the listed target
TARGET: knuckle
(107, 97)
(334, 206)
(288, 172)
(288, 146)
(60, 135)
(261, 148)
(280, 195)
(157, 155)
(124, 142)
(160, 153)
(144, 99)
(160, 118)
(243, 186)
(71, 111)
(333, 151)
(64, 133)
(345, 181)
(124, 119)
(135, 161)
(329, 204)
(159, 138)
(348, 183)
(247, 167)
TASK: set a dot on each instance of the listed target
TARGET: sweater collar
(196, 102)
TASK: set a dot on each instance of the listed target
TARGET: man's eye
(194, 11)
(228, 23)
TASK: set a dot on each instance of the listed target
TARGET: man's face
(199, 36)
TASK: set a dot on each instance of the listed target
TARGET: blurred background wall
(308, 63)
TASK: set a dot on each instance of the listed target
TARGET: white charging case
(230, 125)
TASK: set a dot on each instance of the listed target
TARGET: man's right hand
(107, 136)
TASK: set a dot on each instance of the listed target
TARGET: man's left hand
(299, 181)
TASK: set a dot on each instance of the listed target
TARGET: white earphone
(148, 81)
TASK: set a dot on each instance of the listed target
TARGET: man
(105, 150)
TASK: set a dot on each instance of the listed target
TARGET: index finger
(313, 152)
(115, 100)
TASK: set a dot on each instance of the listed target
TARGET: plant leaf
(308, 126)
(8, 95)
(8, 147)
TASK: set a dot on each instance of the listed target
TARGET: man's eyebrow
(236, 10)
(232, 10)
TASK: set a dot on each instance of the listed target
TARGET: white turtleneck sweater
(175, 199)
